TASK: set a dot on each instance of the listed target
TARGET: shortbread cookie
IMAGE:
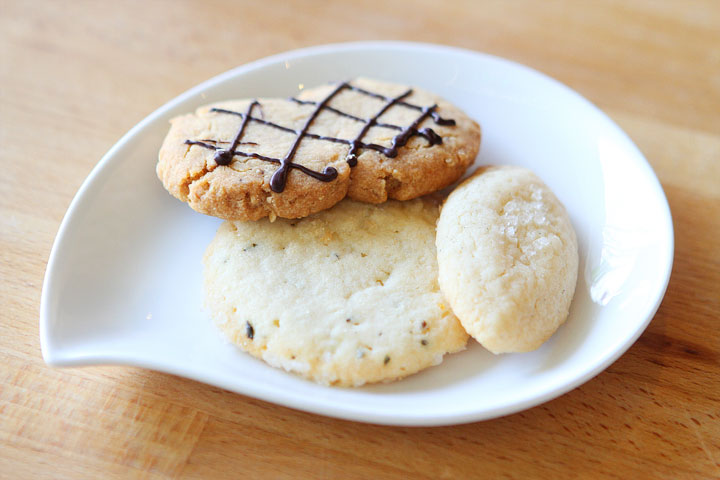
(249, 159)
(344, 297)
(508, 258)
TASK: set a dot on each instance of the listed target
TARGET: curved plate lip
(275, 395)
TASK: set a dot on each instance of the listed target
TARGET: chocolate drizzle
(447, 122)
(224, 156)
(355, 145)
(279, 178)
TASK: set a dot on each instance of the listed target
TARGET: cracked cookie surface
(346, 296)
(192, 170)
(508, 258)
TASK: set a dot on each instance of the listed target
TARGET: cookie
(369, 140)
(344, 297)
(507, 257)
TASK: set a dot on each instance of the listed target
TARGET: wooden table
(77, 75)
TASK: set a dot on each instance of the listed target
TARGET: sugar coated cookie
(508, 258)
(369, 140)
(343, 297)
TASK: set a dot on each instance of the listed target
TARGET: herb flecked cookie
(508, 258)
(344, 297)
(369, 140)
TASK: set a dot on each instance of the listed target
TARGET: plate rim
(299, 403)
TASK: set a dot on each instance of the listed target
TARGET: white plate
(123, 283)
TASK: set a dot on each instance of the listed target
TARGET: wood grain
(75, 76)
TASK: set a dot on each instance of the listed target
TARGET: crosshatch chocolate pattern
(224, 156)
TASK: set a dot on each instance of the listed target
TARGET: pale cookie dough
(344, 297)
(241, 190)
(508, 258)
